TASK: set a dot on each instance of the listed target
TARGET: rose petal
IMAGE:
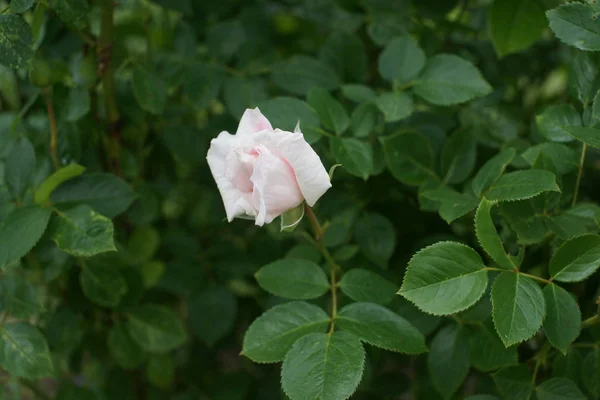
(252, 122)
(233, 200)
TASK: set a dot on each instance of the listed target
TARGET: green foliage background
(455, 256)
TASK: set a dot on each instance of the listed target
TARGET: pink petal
(252, 122)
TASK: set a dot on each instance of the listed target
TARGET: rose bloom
(262, 172)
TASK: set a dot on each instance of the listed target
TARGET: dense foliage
(455, 256)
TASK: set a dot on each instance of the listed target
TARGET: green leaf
(331, 112)
(409, 157)
(514, 25)
(591, 373)
(575, 25)
(82, 232)
(576, 259)
(576, 221)
(240, 93)
(520, 185)
(24, 352)
(212, 314)
(395, 106)
(20, 6)
(444, 278)
(376, 236)
(65, 330)
(358, 93)
(487, 351)
(19, 298)
(453, 205)
(16, 41)
(488, 235)
(160, 370)
(69, 391)
(42, 194)
(72, 12)
(322, 366)
(559, 389)
(126, 353)
(448, 79)
(143, 244)
(105, 193)
(492, 170)
(346, 54)
(285, 112)
(514, 383)
(448, 359)
(149, 90)
(272, 335)
(364, 119)
(563, 317)
(202, 82)
(552, 121)
(381, 327)
(518, 307)
(103, 284)
(155, 328)
(355, 155)
(78, 103)
(525, 220)
(568, 366)
(583, 72)
(299, 74)
(293, 279)
(458, 157)
(587, 135)
(20, 231)
(19, 168)
(363, 285)
(401, 60)
(564, 158)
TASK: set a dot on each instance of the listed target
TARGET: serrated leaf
(458, 157)
(552, 121)
(103, 284)
(401, 60)
(591, 373)
(299, 74)
(323, 366)
(395, 106)
(576, 221)
(72, 12)
(492, 170)
(381, 327)
(448, 359)
(564, 158)
(518, 307)
(331, 112)
(516, 24)
(514, 383)
(293, 279)
(575, 25)
(24, 352)
(20, 231)
(354, 155)
(19, 168)
(444, 278)
(520, 185)
(363, 285)
(43, 192)
(126, 353)
(452, 205)
(16, 41)
(563, 317)
(448, 79)
(272, 335)
(487, 351)
(155, 328)
(559, 389)
(212, 314)
(409, 157)
(376, 236)
(19, 298)
(488, 236)
(587, 135)
(80, 231)
(576, 259)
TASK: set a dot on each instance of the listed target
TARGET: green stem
(36, 390)
(591, 321)
(47, 92)
(537, 278)
(580, 172)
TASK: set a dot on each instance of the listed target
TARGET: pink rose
(262, 172)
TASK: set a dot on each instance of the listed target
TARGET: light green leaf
(80, 231)
(103, 284)
(20, 231)
(126, 353)
(20, 6)
(293, 279)
(444, 278)
(576, 259)
(358, 93)
(395, 106)
(552, 121)
(520, 185)
(24, 352)
(559, 389)
(514, 383)
(72, 12)
(272, 335)
(332, 113)
(575, 25)
(401, 60)
(591, 373)
(448, 79)
(587, 135)
(155, 328)
(363, 285)
(356, 156)
(19, 168)
(299, 74)
(42, 194)
(518, 307)
(514, 25)
(458, 157)
(563, 317)
(16, 41)
(19, 298)
(492, 170)
(78, 103)
(564, 158)
(285, 112)
(149, 90)
(487, 351)
(409, 157)
(322, 366)
(448, 359)
(488, 236)
(212, 314)
(376, 236)
(381, 327)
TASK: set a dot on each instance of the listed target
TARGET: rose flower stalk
(263, 172)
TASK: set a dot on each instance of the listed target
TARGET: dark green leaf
(78, 103)
(401, 60)
(589, 136)
(395, 106)
(448, 359)
(24, 352)
(72, 12)
(149, 90)
(332, 113)
(575, 25)
(160, 370)
(488, 352)
(103, 284)
(376, 237)
(358, 93)
(364, 120)
(155, 328)
(20, 231)
(19, 298)
(576, 259)
(488, 235)
(293, 279)
(525, 220)
(564, 158)
(591, 373)
(300, 74)
(16, 41)
(552, 121)
(212, 314)
(520, 185)
(241, 93)
(20, 6)
(126, 353)
(285, 112)
(514, 383)
(492, 170)
(409, 157)
(515, 25)
(559, 389)
(563, 317)
(346, 54)
(19, 168)
(458, 157)
(355, 155)
(363, 285)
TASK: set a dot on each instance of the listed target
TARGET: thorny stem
(579, 173)
(52, 120)
(334, 267)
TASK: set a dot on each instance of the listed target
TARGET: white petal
(311, 175)
(252, 122)
(233, 199)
